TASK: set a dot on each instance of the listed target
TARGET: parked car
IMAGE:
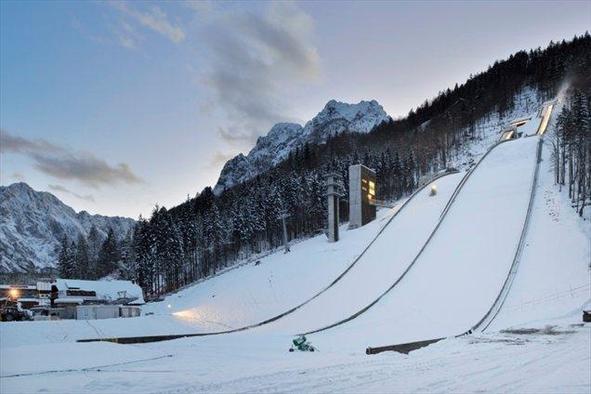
(11, 311)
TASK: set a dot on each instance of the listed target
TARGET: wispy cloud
(154, 19)
(17, 176)
(63, 189)
(63, 163)
(255, 61)
(126, 35)
(16, 144)
(219, 159)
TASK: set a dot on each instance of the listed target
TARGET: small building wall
(94, 312)
(130, 311)
(362, 194)
(65, 311)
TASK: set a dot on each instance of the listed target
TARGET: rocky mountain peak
(32, 224)
(283, 138)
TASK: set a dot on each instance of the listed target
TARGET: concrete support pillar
(333, 195)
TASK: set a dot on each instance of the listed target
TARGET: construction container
(94, 312)
(130, 311)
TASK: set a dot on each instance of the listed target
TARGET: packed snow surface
(553, 278)
(384, 262)
(461, 271)
(246, 295)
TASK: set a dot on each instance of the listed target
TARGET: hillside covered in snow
(33, 223)
(452, 130)
(381, 284)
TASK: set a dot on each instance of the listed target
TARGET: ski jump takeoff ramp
(462, 269)
(385, 258)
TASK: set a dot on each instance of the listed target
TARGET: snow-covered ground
(254, 293)
(553, 278)
(246, 295)
(537, 342)
(552, 360)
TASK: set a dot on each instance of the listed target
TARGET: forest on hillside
(177, 246)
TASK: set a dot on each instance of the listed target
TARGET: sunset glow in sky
(116, 106)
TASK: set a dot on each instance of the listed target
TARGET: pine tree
(82, 259)
(109, 255)
(127, 266)
(67, 259)
(94, 242)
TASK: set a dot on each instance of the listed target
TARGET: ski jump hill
(436, 268)
(430, 268)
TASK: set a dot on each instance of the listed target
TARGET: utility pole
(284, 215)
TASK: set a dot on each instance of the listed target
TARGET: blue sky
(117, 106)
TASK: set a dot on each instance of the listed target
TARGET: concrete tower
(362, 195)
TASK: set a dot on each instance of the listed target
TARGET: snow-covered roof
(69, 300)
(20, 287)
(43, 286)
(520, 120)
(105, 289)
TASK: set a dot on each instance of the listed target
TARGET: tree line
(572, 149)
(207, 233)
(93, 257)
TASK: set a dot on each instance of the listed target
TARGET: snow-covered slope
(33, 223)
(283, 138)
(248, 294)
(461, 271)
(553, 278)
(384, 261)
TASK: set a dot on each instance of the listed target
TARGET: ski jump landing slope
(371, 272)
(387, 258)
(459, 274)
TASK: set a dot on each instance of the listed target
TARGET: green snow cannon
(300, 343)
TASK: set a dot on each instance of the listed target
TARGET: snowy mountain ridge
(283, 138)
(32, 224)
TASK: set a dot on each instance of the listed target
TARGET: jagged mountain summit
(32, 224)
(283, 138)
